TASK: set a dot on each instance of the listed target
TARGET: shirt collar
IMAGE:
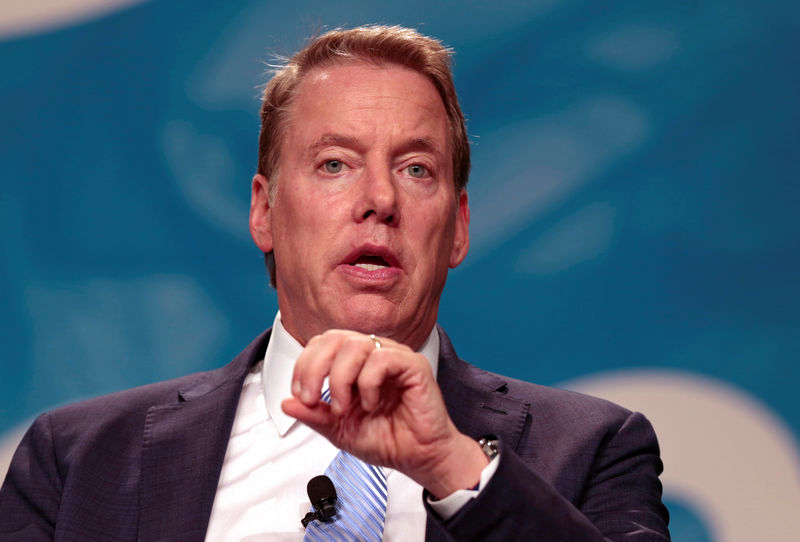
(280, 357)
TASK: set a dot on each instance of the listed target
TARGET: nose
(378, 197)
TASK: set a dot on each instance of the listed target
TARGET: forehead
(365, 100)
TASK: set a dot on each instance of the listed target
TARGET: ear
(260, 216)
(461, 238)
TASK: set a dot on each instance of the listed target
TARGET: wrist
(460, 467)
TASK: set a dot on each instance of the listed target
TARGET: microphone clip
(322, 495)
(325, 510)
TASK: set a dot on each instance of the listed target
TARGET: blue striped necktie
(360, 503)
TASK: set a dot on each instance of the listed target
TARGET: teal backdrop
(634, 196)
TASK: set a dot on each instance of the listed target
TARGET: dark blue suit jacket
(143, 464)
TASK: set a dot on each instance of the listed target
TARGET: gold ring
(375, 341)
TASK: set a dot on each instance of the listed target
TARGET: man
(360, 205)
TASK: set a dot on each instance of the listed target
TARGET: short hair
(376, 44)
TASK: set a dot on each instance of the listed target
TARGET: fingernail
(335, 406)
(296, 388)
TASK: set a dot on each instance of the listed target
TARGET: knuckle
(352, 341)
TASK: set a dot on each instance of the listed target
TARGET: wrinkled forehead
(359, 98)
(326, 73)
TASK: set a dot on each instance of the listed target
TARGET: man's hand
(386, 408)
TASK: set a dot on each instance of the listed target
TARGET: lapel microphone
(322, 495)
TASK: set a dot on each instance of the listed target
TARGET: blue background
(634, 192)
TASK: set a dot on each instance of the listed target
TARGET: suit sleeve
(620, 499)
(31, 493)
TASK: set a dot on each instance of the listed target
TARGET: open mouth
(370, 263)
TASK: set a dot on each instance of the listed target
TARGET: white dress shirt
(261, 494)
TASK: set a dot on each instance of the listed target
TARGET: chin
(369, 317)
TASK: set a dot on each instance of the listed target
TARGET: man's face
(365, 221)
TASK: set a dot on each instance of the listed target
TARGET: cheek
(440, 230)
(309, 231)
(434, 245)
(298, 210)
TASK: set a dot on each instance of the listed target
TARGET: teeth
(370, 266)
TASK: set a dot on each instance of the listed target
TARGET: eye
(417, 171)
(333, 166)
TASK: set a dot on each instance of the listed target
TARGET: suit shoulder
(132, 399)
(561, 407)
(135, 402)
(120, 411)
(573, 422)
(548, 400)
(463, 380)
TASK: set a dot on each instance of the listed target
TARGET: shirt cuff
(450, 505)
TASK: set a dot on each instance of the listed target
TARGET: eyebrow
(334, 139)
(424, 144)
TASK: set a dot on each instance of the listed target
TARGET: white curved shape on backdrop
(726, 455)
(8, 444)
(23, 17)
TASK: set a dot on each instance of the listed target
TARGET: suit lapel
(479, 404)
(183, 450)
